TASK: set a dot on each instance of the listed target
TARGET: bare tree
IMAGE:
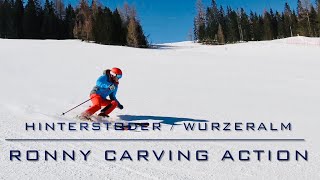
(83, 25)
(94, 6)
(132, 35)
(59, 7)
(287, 15)
(306, 9)
(239, 24)
(220, 35)
(199, 21)
(135, 34)
(125, 12)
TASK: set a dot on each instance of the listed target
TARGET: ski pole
(75, 107)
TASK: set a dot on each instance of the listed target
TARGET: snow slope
(274, 81)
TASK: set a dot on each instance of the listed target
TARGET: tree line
(53, 20)
(214, 25)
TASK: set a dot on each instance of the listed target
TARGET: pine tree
(69, 22)
(233, 26)
(271, 25)
(261, 28)
(280, 25)
(56, 22)
(274, 24)
(60, 14)
(295, 25)
(1, 18)
(267, 26)
(18, 19)
(31, 20)
(99, 27)
(119, 37)
(135, 36)
(142, 39)
(6, 20)
(245, 25)
(50, 21)
(254, 27)
(313, 22)
(212, 17)
(109, 28)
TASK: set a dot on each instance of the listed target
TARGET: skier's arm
(114, 98)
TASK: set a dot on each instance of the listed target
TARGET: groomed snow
(271, 81)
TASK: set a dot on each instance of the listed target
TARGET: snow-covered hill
(274, 81)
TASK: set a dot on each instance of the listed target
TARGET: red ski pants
(98, 102)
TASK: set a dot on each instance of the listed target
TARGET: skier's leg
(96, 104)
(104, 110)
(110, 106)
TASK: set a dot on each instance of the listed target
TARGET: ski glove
(120, 106)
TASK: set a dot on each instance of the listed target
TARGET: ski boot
(102, 114)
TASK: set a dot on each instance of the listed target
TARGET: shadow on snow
(162, 119)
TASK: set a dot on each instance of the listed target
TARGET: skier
(106, 86)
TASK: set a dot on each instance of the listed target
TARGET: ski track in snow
(271, 81)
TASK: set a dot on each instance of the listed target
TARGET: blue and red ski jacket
(105, 87)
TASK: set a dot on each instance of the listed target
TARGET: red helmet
(117, 72)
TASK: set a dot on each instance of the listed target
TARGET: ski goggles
(118, 76)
